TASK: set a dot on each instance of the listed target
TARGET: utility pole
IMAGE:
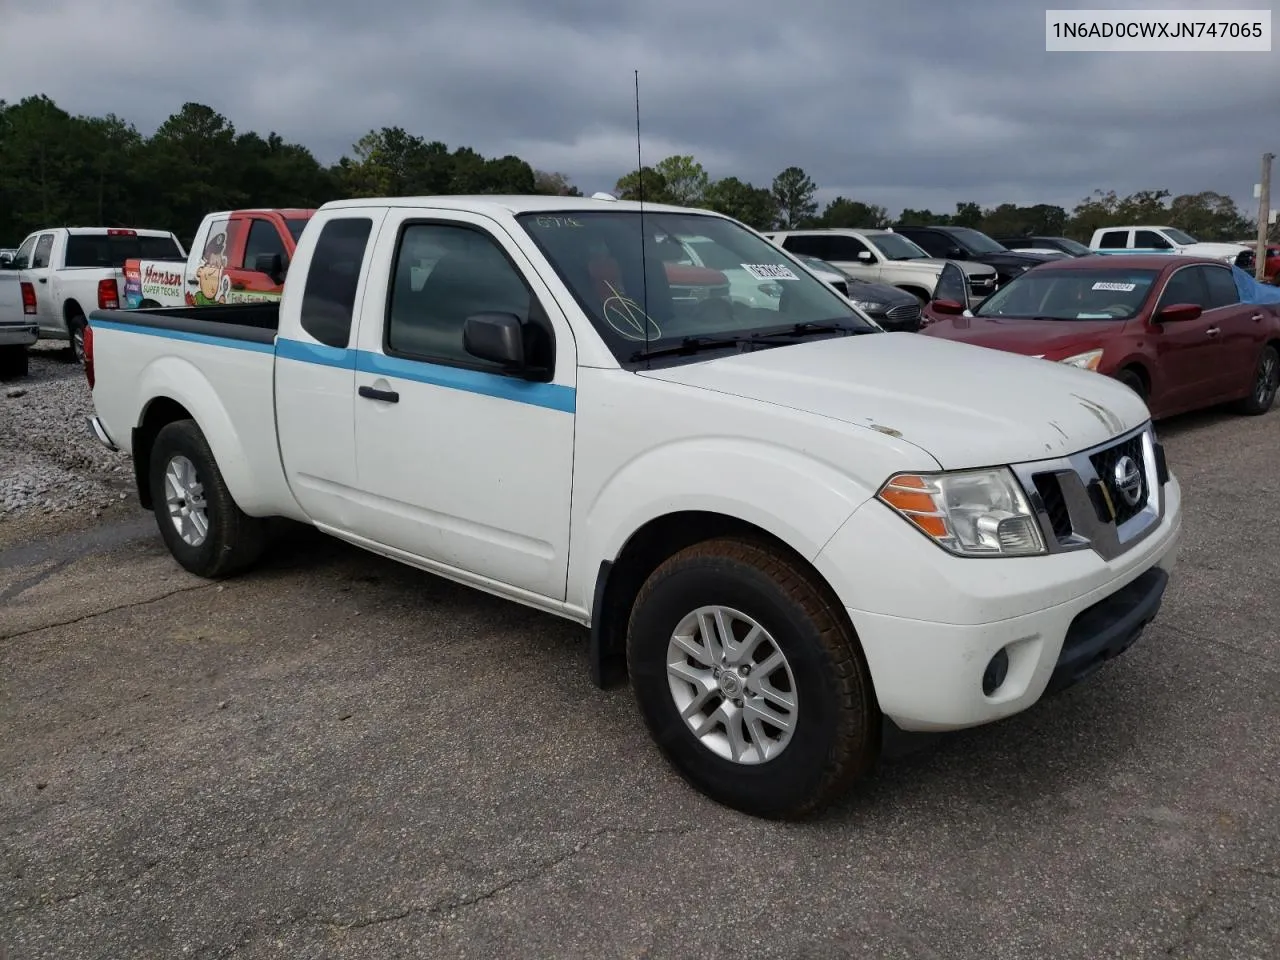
(1264, 217)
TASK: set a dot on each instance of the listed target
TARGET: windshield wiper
(804, 329)
(691, 345)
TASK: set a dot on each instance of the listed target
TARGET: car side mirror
(951, 308)
(272, 264)
(496, 337)
(866, 256)
(1178, 313)
(955, 253)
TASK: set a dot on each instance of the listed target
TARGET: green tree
(553, 184)
(793, 190)
(686, 181)
(967, 215)
(1209, 215)
(654, 183)
(843, 212)
(923, 218)
(754, 206)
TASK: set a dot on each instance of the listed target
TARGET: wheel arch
(618, 581)
(159, 413)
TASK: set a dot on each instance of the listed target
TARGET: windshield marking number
(1110, 285)
(769, 271)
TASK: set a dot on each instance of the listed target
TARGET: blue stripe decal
(204, 338)
(553, 396)
(318, 353)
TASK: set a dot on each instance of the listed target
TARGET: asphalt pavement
(337, 756)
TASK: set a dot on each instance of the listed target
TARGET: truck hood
(966, 406)
(934, 265)
(1052, 339)
(1219, 250)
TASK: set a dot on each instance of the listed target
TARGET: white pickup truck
(64, 272)
(792, 530)
(1159, 239)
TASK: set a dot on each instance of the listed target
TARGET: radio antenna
(644, 264)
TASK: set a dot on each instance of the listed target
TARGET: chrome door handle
(1258, 317)
(1213, 331)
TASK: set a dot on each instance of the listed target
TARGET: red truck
(239, 256)
(1173, 328)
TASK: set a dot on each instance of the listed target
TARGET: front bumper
(930, 623)
(18, 334)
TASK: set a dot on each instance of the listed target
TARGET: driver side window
(22, 259)
(845, 248)
(1185, 286)
(263, 240)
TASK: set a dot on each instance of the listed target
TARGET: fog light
(994, 675)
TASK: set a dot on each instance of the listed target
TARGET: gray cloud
(899, 102)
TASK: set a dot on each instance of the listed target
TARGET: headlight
(1085, 361)
(971, 513)
(871, 306)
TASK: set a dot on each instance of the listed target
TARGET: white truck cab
(789, 529)
(1160, 239)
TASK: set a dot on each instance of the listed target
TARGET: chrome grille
(906, 311)
(1079, 504)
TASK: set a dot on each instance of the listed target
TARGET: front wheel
(204, 529)
(1266, 379)
(749, 681)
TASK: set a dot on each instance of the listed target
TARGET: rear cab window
(1114, 240)
(112, 250)
(44, 248)
(329, 298)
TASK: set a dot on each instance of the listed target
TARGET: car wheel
(750, 681)
(75, 331)
(1134, 382)
(204, 529)
(1266, 378)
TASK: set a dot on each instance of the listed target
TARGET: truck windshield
(1179, 236)
(296, 226)
(976, 241)
(894, 246)
(1099, 294)
(103, 250)
(599, 256)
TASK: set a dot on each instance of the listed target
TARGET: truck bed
(256, 322)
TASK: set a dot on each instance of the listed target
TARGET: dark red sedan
(1171, 327)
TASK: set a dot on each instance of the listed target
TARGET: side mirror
(271, 264)
(496, 337)
(866, 256)
(1178, 313)
(955, 253)
(951, 308)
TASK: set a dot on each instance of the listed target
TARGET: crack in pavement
(99, 613)
(491, 892)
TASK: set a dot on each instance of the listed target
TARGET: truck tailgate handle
(386, 396)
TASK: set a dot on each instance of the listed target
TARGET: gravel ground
(49, 461)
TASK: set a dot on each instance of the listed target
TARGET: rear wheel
(204, 529)
(75, 331)
(13, 363)
(749, 681)
(1266, 378)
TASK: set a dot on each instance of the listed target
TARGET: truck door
(461, 463)
(316, 369)
(40, 275)
(249, 284)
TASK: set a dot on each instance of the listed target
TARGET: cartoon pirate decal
(214, 282)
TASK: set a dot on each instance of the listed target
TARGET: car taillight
(28, 298)
(108, 295)
(88, 355)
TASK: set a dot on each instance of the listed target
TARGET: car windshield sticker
(769, 271)
(1122, 287)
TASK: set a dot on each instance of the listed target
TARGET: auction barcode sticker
(1158, 31)
(769, 271)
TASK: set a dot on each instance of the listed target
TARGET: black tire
(76, 324)
(233, 541)
(1129, 377)
(13, 363)
(1262, 388)
(836, 736)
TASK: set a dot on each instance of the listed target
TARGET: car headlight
(1088, 360)
(871, 306)
(970, 513)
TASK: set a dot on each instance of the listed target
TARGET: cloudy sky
(918, 103)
